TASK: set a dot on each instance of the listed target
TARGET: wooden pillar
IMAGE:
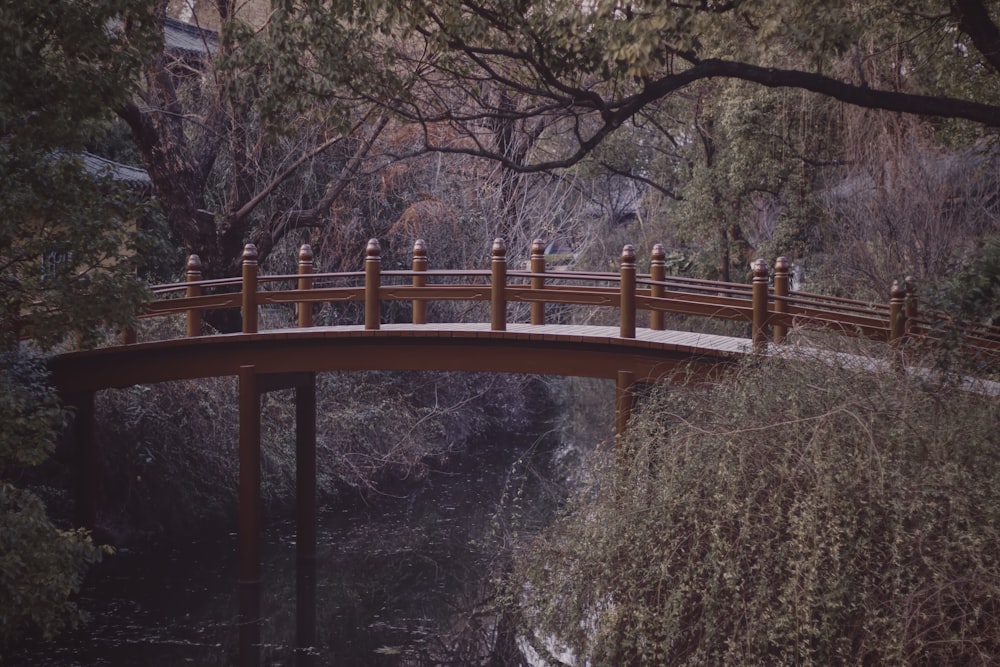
(305, 518)
(624, 402)
(373, 283)
(419, 280)
(305, 284)
(780, 293)
(897, 314)
(759, 305)
(537, 266)
(911, 309)
(249, 517)
(498, 286)
(305, 468)
(658, 274)
(250, 288)
(192, 274)
(85, 460)
(627, 298)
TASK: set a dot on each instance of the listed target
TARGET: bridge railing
(767, 304)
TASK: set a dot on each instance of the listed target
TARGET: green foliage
(975, 291)
(797, 514)
(68, 250)
(65, 65)
(41, 567)
(62, 231)
(63, 234)
(29, 411)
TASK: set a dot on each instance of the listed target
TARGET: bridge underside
(586, 351)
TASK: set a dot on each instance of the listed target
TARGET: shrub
(41, 566)
(798, 514)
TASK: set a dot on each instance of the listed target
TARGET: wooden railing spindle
(193, 274)
(305, 284)
(780, 291)
(419, 267)
(373, 283)
(537, 265)
(498, 286)
(250, 288)
(658, 274)
(627, 302)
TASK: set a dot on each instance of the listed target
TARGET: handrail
(766, 304)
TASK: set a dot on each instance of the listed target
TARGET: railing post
(911, 309)
(193, 274)
(897, 313)
(759, 305)
(305, 284)
(250, 288)
(498, 286)
(780, 293)
(419, 280)
(537, 265)
(627, 299)
(373, 283)
(658, 274)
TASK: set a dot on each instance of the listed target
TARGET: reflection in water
(401, 581)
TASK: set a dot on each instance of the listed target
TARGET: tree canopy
(582, 70)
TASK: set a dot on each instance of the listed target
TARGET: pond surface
(400, 580)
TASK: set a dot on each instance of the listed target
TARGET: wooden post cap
(760, 270)
(628, 254)
(419, 249)
(499, 249)
(193, 264)
(781, 265)
(250, 254)
(373, 249)
(897, 292)
(537, 248)
(305, 254)
(659, 253)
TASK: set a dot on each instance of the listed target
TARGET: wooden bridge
(289, 356)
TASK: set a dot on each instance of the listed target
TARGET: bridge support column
(305, 518)
(85, 460)
(624, 402)
(249, 511)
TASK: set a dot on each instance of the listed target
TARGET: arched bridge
(535, 344)
(521, 327)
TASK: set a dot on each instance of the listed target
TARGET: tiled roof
(186, 39)
(99, 166)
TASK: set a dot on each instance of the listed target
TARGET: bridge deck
(582, 350)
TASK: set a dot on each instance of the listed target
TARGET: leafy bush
(798, 514)
(41, 566)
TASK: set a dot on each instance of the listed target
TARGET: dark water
(400, 580)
